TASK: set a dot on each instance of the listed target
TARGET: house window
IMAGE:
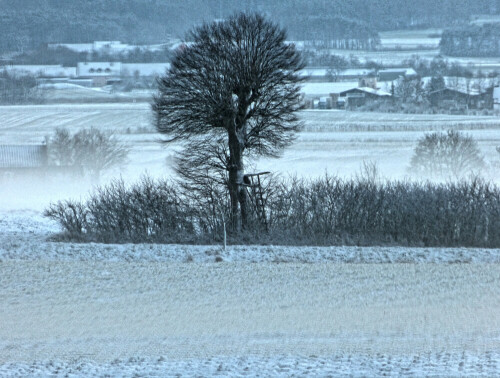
(99, 70)
(91, 70)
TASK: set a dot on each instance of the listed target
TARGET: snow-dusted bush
(325, 211)
(148, 211)
(333, 210)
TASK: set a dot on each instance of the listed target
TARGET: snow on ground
(332, 141)
(159, 310)
(24, 234)
(71, 309)
(431, 364)
(82, 316)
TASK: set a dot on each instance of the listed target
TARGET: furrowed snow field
(169, 310)
(149, 310)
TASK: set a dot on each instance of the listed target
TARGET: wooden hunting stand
(255, 193)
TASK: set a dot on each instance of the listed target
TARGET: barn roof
(377, 92)
(23, 156)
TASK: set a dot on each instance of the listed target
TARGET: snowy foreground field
(149, 310)
(169, 310)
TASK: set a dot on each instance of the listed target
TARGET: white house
(101, 73)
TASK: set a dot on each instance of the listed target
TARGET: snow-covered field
(145, 310)
(410, 39)
(332, 141)
(168, 310)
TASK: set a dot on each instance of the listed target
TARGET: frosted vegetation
(323, 211)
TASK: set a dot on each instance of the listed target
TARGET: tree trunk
(233, 194)
(237, 190)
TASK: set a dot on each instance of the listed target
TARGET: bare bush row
(325, 211)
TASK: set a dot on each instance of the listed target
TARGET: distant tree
(446, 155)
(237, 83)
(336, 64)
(435, 84)
(91, 149)
(18, 89)
(409, 90)
(472, 40)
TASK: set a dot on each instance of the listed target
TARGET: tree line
(18, 89)
(472, 40)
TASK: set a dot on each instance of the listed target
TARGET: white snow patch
(435, 364)
(24, 234)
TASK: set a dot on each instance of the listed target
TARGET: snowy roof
(78, 47)
(87, 69)
(403, 70)
(322, 72)
(356, 72)
(377, 92)
(469, 86)
(325, 89)
(391, 74)
(19, 156)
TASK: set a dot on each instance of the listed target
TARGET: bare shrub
(148, 211)
(71, 215)
(324, 211)
(446, 155)
(336, 211)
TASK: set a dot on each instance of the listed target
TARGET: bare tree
(91, 149)
(237, 83)
(446, 155)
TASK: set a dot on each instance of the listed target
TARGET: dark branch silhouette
(231, 92)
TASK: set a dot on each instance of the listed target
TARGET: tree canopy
(235, 86)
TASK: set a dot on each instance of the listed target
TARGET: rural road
(107, 310)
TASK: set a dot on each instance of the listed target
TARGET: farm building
(101, 73)
(462, 98)
(496, 97)
(325, 95)
(23, 159)
(327, 74)
(392, 74)
(359, 96)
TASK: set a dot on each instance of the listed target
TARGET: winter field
(336, 142)
(168, 310)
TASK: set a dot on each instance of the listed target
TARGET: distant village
(323, 88)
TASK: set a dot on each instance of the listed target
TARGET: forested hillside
(25, 24)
